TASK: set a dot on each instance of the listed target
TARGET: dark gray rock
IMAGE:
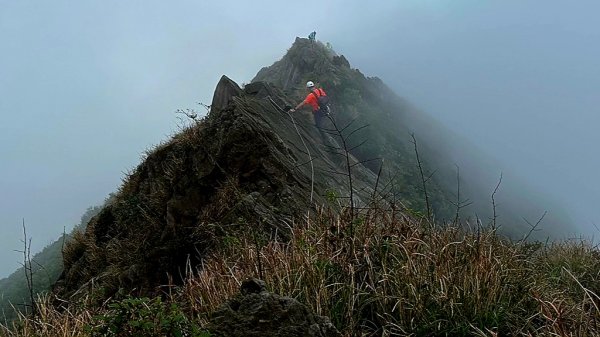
(253, 286)
(257, 312)
(226, 89)
(341, 61)
(304, 57)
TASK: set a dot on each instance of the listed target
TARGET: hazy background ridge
(85, 88)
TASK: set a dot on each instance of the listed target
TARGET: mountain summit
(247, 166)
(251, 166)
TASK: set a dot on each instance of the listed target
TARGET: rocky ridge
(247, 166)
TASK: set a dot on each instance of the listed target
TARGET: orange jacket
(311, 99)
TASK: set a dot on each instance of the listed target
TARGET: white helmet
(310, 84)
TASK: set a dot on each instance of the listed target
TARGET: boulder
(257, 312)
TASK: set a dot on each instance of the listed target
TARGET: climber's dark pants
(319, 116)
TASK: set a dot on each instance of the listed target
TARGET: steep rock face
(247, 166)
(391, 120)
(363, 101)
(304, 57)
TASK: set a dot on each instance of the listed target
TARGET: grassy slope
(395, 275)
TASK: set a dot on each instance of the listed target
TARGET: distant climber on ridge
(312, 36)
(318, 100)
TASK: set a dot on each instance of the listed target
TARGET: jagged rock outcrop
(257, 312)
(305, 57)
(248, 166)
(224, 92)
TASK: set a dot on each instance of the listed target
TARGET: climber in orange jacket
(318, 100)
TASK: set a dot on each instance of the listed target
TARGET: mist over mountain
(389, 122)
(249, 161)
(516, 201)
(379, 176)
(517, 79)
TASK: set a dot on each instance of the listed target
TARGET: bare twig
(532, 227)
(364, 161)
(344, 148)
(495, 216)
(189, 113)
(423, 180)
(459, 204)
(377, 181)
(205, 106)
(28, 268)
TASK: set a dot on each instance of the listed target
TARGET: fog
(87, 87)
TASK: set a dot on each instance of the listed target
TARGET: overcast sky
(87, 86)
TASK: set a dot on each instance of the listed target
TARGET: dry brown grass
(51, 322)
(396, 277)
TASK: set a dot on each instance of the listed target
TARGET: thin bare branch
(495, 216)
(356, 130)
(414, 141)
